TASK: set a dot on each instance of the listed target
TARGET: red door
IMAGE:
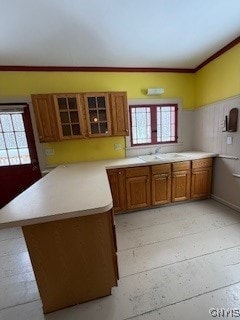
(19, 166)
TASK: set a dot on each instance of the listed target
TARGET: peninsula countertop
(72, 190)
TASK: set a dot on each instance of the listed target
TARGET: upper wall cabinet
(45, 115)
(119, 109)
(69, 111)
(80, 115)
(98, 114)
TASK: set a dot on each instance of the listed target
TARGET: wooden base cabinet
(161, 184)
(138, 187)
(74, 260)
(201, 178)
(181, 178)
(142, 187)
(116, 179)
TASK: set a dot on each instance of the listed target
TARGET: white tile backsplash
(208, 134)
(209, 137)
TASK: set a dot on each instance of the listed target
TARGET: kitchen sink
(150, 158)
(171, 155)
(161, 157)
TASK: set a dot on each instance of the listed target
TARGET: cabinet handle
(119, 172)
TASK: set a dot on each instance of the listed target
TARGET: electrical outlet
(117, 146)
(49, 152)
(229, 140)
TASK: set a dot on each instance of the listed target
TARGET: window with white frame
(13, 142)
(153, 124)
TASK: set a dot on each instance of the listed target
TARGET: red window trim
(154, 123)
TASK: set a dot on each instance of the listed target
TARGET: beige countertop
(72, 190)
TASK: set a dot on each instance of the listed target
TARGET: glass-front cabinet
(70, 116)
(80, 115)
(97, 114)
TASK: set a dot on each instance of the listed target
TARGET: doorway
(19, 167)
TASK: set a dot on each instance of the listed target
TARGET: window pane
(2, 143)
(165, 124)
(10, 141)
(6, 122)
(4, 158)
(21, 140)
(91, 102)
(18, 122)
(24, 156)
(72, 102)
(141, 125)
(62, 103)
(13, 156)
(101, 102)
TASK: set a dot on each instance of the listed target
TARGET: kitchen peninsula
(67, 221)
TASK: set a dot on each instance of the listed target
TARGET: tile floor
(175, 262)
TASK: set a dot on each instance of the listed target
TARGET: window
(13, 142)
(153, 124)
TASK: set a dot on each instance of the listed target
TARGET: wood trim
(121, 69)
(218, 53)
(153, 114)
(93, 69)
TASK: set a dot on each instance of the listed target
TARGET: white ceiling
(115, 33)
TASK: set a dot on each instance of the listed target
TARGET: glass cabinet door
(98, 114)
(70, 118)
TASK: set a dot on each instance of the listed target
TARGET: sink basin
(161, 157)
(171, 155)
(150, 158)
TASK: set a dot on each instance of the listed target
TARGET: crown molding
(93, 69)
(121, 69)
(218, 53)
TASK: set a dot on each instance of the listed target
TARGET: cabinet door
(201, 178)
(97, 114)
(181, 181)
(116, 179)
(45, 117)
(119, 110)
(138, 187)
(69, 110)
(161, 184)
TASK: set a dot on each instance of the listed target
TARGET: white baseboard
(228, 204)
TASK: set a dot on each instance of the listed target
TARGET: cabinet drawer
(202, 163)
(183, 165)
(161, 168)
(137, 172)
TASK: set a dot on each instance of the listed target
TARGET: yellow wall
(220, 79)
(176, 85)
(86, 150)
